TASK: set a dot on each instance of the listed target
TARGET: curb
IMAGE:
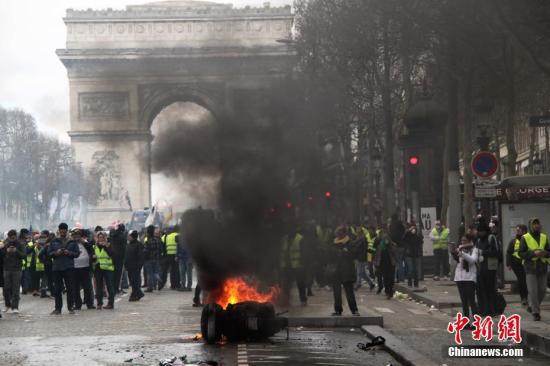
(419, 297)
(335, 321)
(399, 350)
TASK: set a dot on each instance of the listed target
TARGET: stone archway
(124, 66)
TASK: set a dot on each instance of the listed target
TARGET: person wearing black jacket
(412, 241)
(119, 242)
(12, 253)
(515, 263)
(486, 285)
(396, 233)
(63, 251)
(153, 252)
(343, 253)
(133, 261)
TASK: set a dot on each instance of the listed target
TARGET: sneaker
(56, 312)
(336, 313)
(16, 311)
(6, 310)
(90, 307)
(524, 302)
(436, 278)
(108, 307)
(536, 317)
(355, 313)
(71, 311)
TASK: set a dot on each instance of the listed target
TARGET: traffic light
(289, 205)
(328, 194)
(414, 160)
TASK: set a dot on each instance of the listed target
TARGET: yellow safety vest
(171, 244)
(443, 240)
(516, 249)
(370, 244)
(28, 260)
(103, 259)
(291, 251)
(39, 266)
(533, 245)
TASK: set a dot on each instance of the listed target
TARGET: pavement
(444, 295)
(164, 325)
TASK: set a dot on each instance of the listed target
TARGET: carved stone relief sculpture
(103, 105)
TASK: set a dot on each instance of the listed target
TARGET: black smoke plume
(253, 153)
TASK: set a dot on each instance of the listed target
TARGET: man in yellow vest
(292, 268)
(440, 239)
(104, 271)
(169, 262)
(40, 280)
(535, 251)
(515, 263)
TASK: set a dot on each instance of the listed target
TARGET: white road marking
(417, 311)
(384, 310)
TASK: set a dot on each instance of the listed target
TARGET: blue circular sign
(484, 164)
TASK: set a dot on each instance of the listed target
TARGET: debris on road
(376, 341)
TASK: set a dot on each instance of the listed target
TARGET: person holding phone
(12, 254)
(465, 275)
(63, 251)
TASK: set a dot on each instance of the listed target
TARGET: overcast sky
(31, 76)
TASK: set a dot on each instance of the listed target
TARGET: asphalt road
(161, 326)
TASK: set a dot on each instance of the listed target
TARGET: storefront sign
(522, 193)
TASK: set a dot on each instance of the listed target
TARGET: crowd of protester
(90, 267)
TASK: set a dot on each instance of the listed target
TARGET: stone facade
(125, 66)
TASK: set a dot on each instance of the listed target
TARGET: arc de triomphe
(125, 66)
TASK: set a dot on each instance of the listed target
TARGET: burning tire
(247, 320)
(211, 323)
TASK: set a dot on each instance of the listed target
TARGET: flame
(235, 290)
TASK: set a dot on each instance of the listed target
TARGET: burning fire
(235, 290)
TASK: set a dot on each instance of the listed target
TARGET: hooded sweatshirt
(537, 266)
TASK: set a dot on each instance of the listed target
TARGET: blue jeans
(413, 270)
(186, 273)
(361, 271)
(153, 273)
(399, 264)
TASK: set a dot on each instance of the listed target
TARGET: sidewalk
(444, 295)
(319, 309)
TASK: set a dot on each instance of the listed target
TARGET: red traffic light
(289, 205)
(414, 160)
(328, 194)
